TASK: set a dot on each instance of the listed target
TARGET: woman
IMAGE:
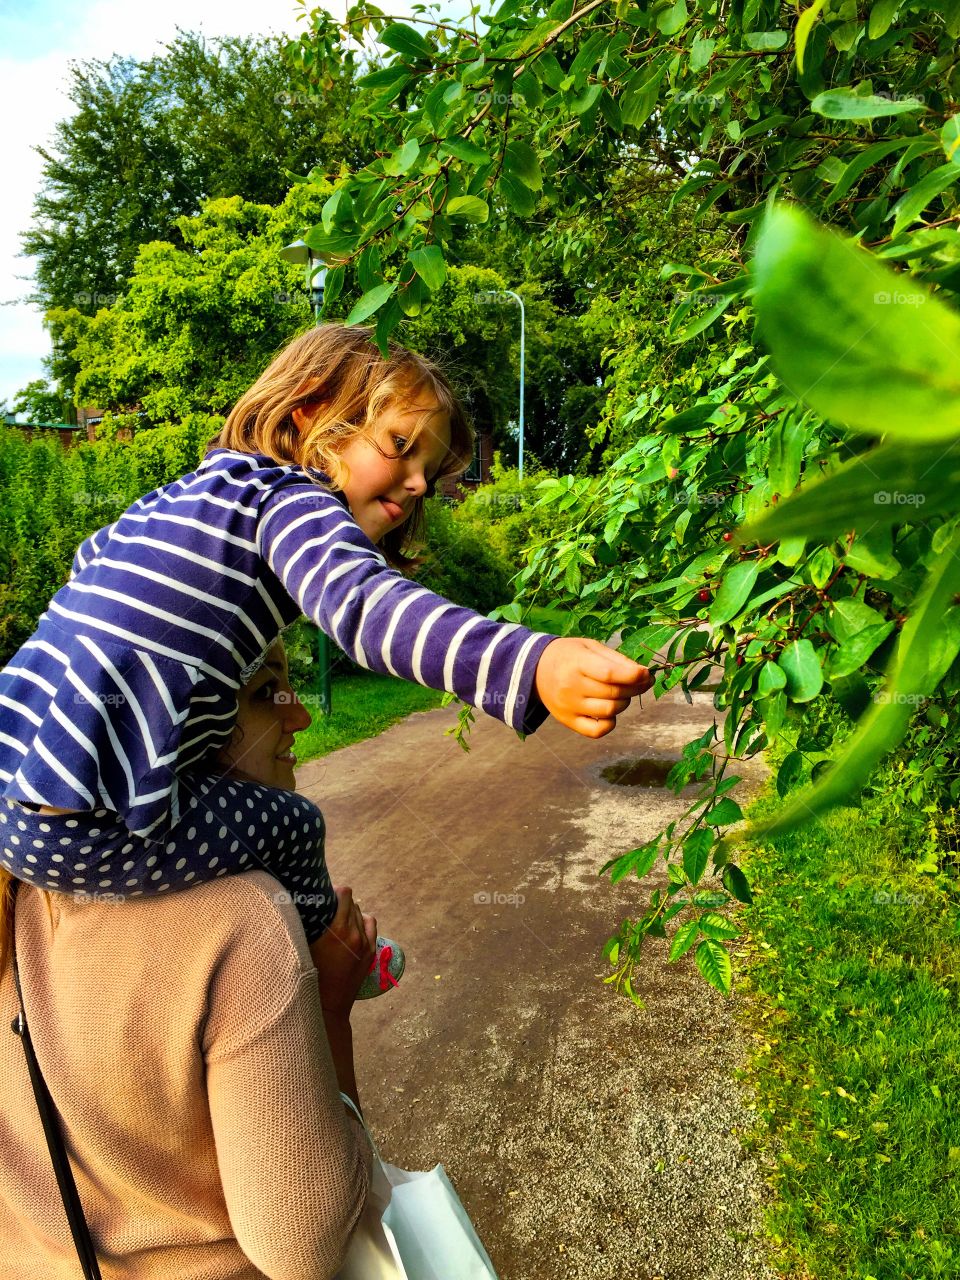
(199, 1089)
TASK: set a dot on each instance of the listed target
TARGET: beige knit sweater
(182, 1040)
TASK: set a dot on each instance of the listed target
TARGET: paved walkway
(587, 1140)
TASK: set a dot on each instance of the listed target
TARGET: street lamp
(301, 254)
(511, 294)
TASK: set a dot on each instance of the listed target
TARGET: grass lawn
(364, 704)
(854, 997)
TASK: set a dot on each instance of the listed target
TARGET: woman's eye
(400, 442)
(266, 691)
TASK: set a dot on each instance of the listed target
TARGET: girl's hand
(343, 955)
(585, 684)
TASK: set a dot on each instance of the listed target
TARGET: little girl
(113, 713)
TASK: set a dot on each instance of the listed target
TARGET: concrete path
(587, 1139)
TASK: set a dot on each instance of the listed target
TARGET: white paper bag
(413, 1227)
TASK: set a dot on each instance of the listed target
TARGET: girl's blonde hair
(337, 372)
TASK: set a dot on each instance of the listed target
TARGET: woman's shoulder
(220, 925)
(254, 913)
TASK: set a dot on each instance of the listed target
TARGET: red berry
(739, 659)
(703, 594)
(673, 473)
(727, 536)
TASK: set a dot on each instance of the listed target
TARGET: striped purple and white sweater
(132, 674)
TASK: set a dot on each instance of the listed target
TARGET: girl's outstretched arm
(387, 623)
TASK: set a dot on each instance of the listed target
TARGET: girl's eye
(266, 691)
(400, 442)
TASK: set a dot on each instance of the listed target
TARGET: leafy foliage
(735, 107)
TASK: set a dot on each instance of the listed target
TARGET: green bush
(52, 499)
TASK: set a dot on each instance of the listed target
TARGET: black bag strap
(51, 1126)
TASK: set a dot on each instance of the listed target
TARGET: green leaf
(722, 814)
(714, 963)
(789, 773)
(521, 162)
(910, 206)
(581, 102)
(639, 94)
(801, 665)
(672, 19)
(520, 198)
(847, 104)
(412, 296)
(896, 483)
(770, 680)
(429, 265)
(871, 555)
(384, 78)
(820, 566)
(409, 43)
(853, 653)
(683, 940)
(692, 419)
(735, 882)
(402, 160)
(717, 926)
(787, 441)
(844, 336)
(864, 161)
(804, 27)
(702, 322)
(470, 208)
(881, 15)
(639, 860)
(928, 644)
(734, 591)
(848, 617)
(642, 646)
(696, 850)
(464, 150)
(701, 51)
(767, 40)
(371, 301)
(950, 137)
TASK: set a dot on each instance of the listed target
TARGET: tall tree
(150, 141)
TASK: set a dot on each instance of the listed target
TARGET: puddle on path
(647, 772)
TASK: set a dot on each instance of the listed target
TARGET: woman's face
(269, 713)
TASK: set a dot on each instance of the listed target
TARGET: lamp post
(301, 254)
(511, 294)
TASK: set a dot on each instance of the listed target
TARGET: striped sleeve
(389, 624)
(88, 549)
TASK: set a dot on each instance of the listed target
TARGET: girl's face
(382, 490)
(269, 713)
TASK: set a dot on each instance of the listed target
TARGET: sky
(38, 40)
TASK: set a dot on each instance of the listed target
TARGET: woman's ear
(301, 418)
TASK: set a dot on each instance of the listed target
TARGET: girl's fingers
(592, 727)
(613, 670)
(603, 708)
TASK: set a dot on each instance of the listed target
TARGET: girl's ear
(301, 418)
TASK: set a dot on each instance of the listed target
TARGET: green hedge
(52, 498)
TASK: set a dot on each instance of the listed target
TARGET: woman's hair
(6, 901)
(6, 915)
(336, 371)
